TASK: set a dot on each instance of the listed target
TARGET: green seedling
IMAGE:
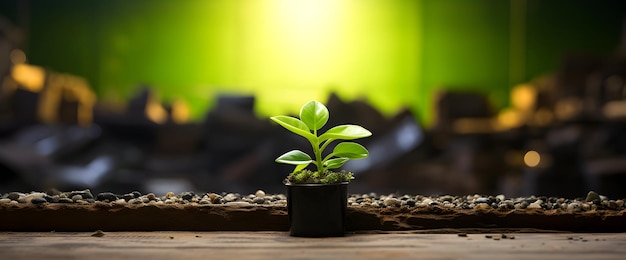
(313, 116)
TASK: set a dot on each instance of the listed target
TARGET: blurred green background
(393, 53)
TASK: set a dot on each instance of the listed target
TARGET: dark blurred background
(515, 97)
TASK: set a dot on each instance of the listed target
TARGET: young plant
(313, 116)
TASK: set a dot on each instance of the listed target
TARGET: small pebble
(136, 194)
(85, 194)
(77, 197)
(65, 200)
(128, 196)
(392, 202)
(611, 204)
(15, 195)
(218, 200)
(187, 196)
(51, 199)
(522, 205)
(535, 205)
(38, 200)
(98, 233)
(574, 207)
(212, 196)
(35, 195)
(259, 194)
(230, 197)
(482, 200)
(591, 196)
(106, 196)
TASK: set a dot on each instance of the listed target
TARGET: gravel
(593, 200)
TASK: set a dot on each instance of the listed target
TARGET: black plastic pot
(317, 210)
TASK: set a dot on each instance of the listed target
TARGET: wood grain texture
(278, 245)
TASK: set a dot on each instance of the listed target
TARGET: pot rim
(315, 184)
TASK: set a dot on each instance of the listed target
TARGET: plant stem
(317, 152)
(318, 158)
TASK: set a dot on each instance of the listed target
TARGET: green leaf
(314, 114)
(294, 125)
(300, 167)
(350, 150)
(295, 157)
(345, 132)
(335, 163)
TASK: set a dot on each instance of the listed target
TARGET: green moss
(327, 177)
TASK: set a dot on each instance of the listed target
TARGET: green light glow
(394, 53)
(285, 52)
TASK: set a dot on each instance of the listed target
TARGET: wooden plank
(278, 245)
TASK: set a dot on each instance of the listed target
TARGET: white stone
(392, 202)
(574, 207)
(30, 197)
(230, 197)
(535, 205)
(260, 194)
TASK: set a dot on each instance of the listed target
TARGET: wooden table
(278, 245)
